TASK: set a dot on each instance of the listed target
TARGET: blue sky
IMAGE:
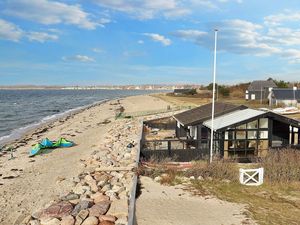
(97, 42)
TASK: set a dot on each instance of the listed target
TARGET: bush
(282, 166)
(218, 170)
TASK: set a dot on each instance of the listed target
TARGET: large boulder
(57, 210)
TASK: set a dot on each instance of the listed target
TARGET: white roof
(233, 118)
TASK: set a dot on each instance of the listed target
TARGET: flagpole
(213, 100)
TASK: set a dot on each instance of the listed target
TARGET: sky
(105, 42)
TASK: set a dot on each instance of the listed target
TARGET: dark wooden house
(238, 130)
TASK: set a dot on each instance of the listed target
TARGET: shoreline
(29, 184)
(24, 131)
(19, 134)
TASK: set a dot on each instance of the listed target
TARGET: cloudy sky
(86, 42)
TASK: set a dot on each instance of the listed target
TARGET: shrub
(219, 170)
(282, 166)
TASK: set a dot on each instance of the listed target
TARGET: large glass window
(263, 134)
(242, 126)
(252, 134)
(240, 134)
(263, 123)
(252, 125)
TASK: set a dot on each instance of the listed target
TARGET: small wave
(18, 133)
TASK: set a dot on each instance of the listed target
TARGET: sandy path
(44, 177)
(166, 205)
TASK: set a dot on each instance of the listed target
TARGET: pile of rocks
(101, 193)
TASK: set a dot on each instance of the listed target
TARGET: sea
(24, 110)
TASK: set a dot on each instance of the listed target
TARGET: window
(226, 135)
(251, 144)
(240, 134)
(263, 134)
(252, 134)
(242, 126)
(263, 123)
(231, 135)
(252, 125)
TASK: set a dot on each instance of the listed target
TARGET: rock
(92, 220)
(57, 210)
(200, 178)
(127, 156)
(81, 189)
(50, 221)
(68, 220)
(37, 214)
(99, 209)
(69, 197)
(99, 197)
(34, 222)
(84, 204)
(106, 223)
(112, 195)
(157, 179)
(118, 188)
(81, 216)
(122, 220)
(192, 178)
(107, 218)
(75, 201)
(91, 182)
(107, 187)
(118, 208)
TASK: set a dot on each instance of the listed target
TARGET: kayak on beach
(46, 143)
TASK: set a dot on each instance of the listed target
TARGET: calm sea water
(21, 110)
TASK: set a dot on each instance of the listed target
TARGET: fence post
(169, 148)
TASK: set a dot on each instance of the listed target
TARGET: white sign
(252, 177)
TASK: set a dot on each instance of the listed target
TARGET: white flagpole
(213, 101)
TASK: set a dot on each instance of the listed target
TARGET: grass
(276, 202)
(197, 101)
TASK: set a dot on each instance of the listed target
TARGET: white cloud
(244, 37)
(50, 12)
(98, 50)
(204, 3)
(79, 58)
(41, 36)
(146, 9)
(192, 35)
(159, 38)
(10, 31)
(140, 42)
(286, 16)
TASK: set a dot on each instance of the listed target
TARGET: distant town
(111, 87)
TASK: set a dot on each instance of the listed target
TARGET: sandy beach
(28, 185)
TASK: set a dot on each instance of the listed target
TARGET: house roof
(233, 118)
(286, 94)
(202, 113)
(257, 85)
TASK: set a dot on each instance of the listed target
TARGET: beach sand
(27, 184)
(170, 205)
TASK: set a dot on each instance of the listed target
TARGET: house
(259, 89)
(238, 131)
(284, 96)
